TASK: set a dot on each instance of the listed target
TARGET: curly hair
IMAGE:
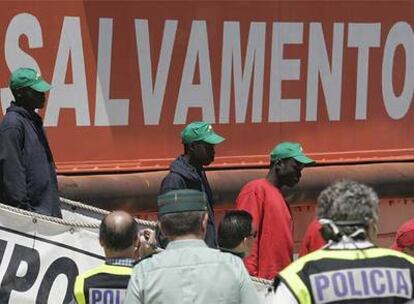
(348, 200)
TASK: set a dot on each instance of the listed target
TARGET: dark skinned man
(27, 170)
(187, 171)
(272, 218)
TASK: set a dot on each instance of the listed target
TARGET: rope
(36, 216)
(80, 205)
(267, 283)
(150, 224)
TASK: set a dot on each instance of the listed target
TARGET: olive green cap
(200, 131)
(27, 77)
(290, 150)
(183, 200)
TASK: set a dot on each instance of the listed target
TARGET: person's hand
(147, 242)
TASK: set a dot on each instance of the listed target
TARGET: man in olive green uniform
(188, 272)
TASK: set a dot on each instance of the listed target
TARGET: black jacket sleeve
(172, 181)
(12, 170)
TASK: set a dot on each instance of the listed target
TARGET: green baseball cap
(288, 150)
(200, 131)
(183, 200)
(27, 77)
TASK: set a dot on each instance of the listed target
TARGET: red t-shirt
(273, 249)
(312, 240)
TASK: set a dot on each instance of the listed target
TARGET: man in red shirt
(404, 238)
(312, 240)
(263, 199)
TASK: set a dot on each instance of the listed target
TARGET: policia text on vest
(371, 275)
(104, 284)
(360, 283)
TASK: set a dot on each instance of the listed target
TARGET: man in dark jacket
(187, 171)
(27, 170)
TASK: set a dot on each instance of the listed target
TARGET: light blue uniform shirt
(188, 272)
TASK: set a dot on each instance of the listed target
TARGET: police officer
(118, 235)
(350, 268)
(188, 271)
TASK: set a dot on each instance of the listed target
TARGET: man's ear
(204, 222)
(101, 242)
(162, 230)
(191, 146)
(372, 230)
(136, 238)
(17, 94)
(277, 165)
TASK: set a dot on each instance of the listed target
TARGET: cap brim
(213, 139)
(41, 86)
(304, 159)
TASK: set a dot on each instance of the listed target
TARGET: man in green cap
(27, 170)
(272, 218)
(187, 271)
(187, 171)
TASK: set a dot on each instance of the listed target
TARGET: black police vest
(103, 284)
(372, 275)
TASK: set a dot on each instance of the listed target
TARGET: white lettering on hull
(242, 81)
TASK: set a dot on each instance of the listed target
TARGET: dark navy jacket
(182, 175)
(27, 170)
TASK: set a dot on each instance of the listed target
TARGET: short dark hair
(186, 148)
(118, 237)
(14, 92)
(182, 223)
(234, 227)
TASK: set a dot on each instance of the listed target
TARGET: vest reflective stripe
(296, 286)
(290, 275)
(79, 288)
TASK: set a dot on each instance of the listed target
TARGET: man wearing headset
(350, 268)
